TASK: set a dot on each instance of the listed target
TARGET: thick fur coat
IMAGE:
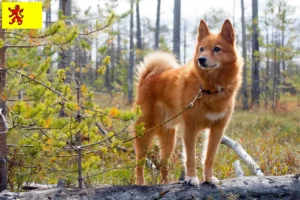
(165, 89)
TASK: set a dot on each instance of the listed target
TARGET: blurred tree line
(268, 42)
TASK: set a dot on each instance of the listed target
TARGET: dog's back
(155, 63)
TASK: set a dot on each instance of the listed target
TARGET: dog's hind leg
(142, 145)
(167, 138)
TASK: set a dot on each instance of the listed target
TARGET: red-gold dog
(165, 89)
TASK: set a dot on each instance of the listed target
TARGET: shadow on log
(267, 188)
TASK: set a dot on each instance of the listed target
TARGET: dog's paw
(213, 181)
(192, 180)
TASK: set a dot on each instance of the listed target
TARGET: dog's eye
(217, 49)
(201, 49)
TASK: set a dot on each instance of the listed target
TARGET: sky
(191, 10)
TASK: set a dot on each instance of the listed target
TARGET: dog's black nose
(202, 60)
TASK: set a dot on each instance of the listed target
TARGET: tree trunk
(184, 43)
(118, 45)
(282, 56)
(66, 55)
(157, 26)
(233, 14)
(48, 24)
(107, 72)
(277, 77)
(3, 128)
(48, 16)
(112, 61)
(97, 56)
(118, 56)
(138, 27)
(263, 188)
(176, 28)
(283, 20)
(267, 69)
(255, 59)
(275, 65)
(131, 59)
(245, 90)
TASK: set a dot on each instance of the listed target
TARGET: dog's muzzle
(205, 64)
(202, 61)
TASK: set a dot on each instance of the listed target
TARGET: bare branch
(238, 169)
(248, 160)
(39, 82)
(103, 27)
(38, 45)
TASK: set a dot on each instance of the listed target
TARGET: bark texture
(138, 27)
(176, 28)
(245, 90)
(66, 55)
(131, 58)
(255, 60)
(157, 25)
(3, 127)
(264, 188)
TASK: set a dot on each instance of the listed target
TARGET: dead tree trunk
(184, 43)
(138, 27)
(48, 24)
(3, 128)
(268, 67)
(263, 188)
(131, 59)
(255, 59)
(118, 56)
(157, 25)
(107, 82)
(176, 28)
(112, 62)
(66, 55)
(245, 90)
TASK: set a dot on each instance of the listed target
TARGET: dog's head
(215, 50)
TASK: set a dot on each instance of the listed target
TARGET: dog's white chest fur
(214, 116)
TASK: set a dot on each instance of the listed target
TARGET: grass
(271, 138)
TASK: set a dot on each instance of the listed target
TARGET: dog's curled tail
(155, 63)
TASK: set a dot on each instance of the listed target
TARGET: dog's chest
(214, 116)
(206, 112)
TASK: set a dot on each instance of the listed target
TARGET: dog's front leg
(190, 136)
(214, 140)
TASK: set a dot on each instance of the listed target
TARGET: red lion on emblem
(15, 14)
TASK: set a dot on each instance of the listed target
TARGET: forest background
(67, 89)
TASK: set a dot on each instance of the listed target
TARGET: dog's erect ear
(228, 32)
(202, 30)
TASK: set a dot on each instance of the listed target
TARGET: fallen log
(265, 188)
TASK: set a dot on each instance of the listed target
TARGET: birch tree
(157, 25)
(176, 28)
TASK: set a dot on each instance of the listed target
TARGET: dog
(164, 89)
